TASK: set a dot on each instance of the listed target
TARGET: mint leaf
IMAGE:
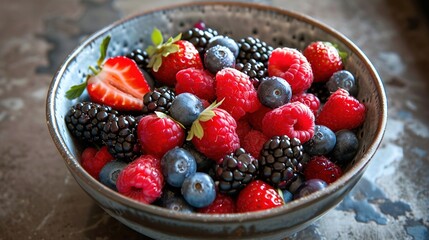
(75, 91)
(156, 37)
(103, 50)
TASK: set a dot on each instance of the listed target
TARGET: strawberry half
(118, 83)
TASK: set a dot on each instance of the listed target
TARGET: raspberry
(93, 160)
(293, 119)
(291, 65)
(324, 58)
(256, 196)
(222, 204)
(157, 135)
(243, 127)
(320, 167)
(237, 92)
(142, 179)
(253, 142)
(197, 81)
(308, 99)
(341, 111)
(218, 137)
(255, 118)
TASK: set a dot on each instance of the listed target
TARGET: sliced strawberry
(120, 84)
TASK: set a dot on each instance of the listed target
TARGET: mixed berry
(205, 123)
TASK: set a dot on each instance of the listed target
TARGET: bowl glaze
(275, 26)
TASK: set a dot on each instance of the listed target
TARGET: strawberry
(320, 167)
(200, 82)
(341, 111)
(142, 179)
(167, 59)
(93, 160)
(293, 119)
(222, 204)
(237, 92)
(325, 60)
(291, 65)
(256, 196)
(159, 133)
(308, 99)
(118, 82)
(214, 133)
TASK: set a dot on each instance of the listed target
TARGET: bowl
(277, 27)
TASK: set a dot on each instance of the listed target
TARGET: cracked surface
(40, 200)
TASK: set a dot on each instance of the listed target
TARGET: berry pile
(204, 123)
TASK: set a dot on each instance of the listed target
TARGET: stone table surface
(40, 200)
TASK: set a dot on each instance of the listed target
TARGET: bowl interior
(275, 26)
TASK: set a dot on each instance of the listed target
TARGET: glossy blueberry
(177, 164)
(172, 199)
(287, 196)
(342, 79)
(217, 58)
(310, 186)
(185, 108)
(199, 190)
(322, 142)
(346, 147)
(224, 41)
(109, 173)
(274, 92)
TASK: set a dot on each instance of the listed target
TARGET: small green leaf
(177, 38)
(75, 91)
(207, 115)
(157, 63)
(156, 36)
(161, 114)
(170, 49)
(103, 50)
(151, 50)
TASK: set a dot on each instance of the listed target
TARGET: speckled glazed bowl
(275, 26)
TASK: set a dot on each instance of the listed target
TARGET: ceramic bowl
(275, 26)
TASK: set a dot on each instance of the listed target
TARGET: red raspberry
(256, 196)
(222, 204)
(253, 142)
(292, 119)
(142, 179)
(341, 111)
(218, 136)
(320, 167)
(291, 65)
(255, 118)
(157, 135)
(308, 99)
(197, 81)
(93, 160)
(243, 128)
(324, 58)
(237, 92)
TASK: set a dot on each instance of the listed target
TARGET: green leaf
(177, 38)
(103, 50)
(156, 36)
(75, 91)
(151, 50)
(157, 63)
(170, 49)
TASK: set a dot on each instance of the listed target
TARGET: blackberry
(159, 100)
(255, 70)
(280, 161)
(199, 38)
(120, 136)
(86, 120)
(141, 57)
(236, 171)
(320, 90)
(253, 48)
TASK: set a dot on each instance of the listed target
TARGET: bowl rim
(74, 166)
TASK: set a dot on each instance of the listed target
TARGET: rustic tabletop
(40, 200)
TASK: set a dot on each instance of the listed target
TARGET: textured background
(40, 200)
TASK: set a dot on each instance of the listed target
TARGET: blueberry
(346, 147)
(274, 92)
(109, 173)
(224, 41)
(310, 186)
(322, 142)
(287, 196)
(186, 108)
(199, 190)
(172, 199)
(177, 164)
(342, 79)
(217, 58)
